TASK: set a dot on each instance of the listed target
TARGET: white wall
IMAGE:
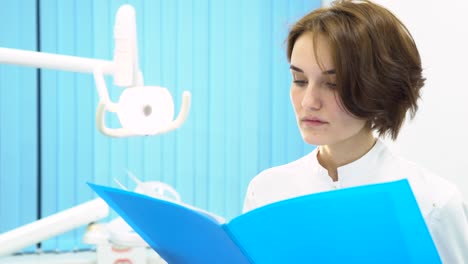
(437, 137)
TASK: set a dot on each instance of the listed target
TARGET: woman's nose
(311, 99)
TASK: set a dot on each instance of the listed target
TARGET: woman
(357, 72)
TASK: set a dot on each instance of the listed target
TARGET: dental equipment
(86, 213)
(141, 110)
(116, 239)
(155, 189)
(51, 226)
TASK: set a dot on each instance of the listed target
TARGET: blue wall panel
(18, 119)
(229, 54)
(201, 92)
(232, 105)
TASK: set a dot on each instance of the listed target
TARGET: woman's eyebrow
(327, 72)
(294, 68)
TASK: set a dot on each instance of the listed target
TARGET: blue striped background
(18, 119)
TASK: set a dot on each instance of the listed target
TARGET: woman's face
(320, 117)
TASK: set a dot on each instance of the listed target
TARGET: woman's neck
(344, 152)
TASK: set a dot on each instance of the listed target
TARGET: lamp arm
(54, 61)
(101, 124)
(124, 66)
(102, 90)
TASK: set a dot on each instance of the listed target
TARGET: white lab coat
(441, 204)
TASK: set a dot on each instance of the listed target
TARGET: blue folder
(378, 223)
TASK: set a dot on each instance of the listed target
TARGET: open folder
(378, 223)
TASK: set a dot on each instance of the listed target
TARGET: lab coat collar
(354, 173)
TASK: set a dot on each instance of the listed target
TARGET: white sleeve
(449, 230)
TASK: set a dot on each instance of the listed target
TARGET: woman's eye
(330, 85)
(300, 83)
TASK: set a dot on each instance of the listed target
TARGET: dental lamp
(141, 110)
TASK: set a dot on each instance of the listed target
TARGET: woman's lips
(313, 122)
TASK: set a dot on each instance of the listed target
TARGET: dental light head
(141, 110)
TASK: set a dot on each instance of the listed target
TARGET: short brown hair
(377, 64)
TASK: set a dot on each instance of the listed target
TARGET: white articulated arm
(54, 61)
(127, 72)
(53, 225)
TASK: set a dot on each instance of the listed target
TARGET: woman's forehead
(311, 53)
